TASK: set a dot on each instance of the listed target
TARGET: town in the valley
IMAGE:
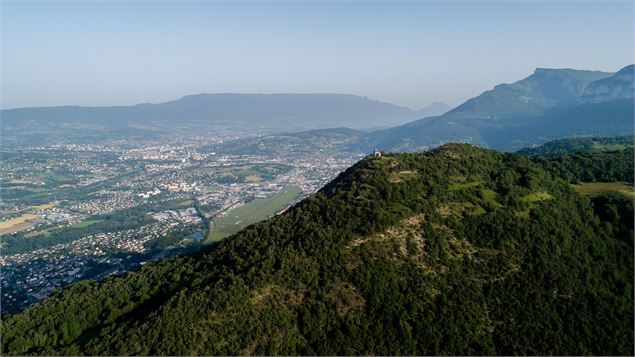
(88, 211)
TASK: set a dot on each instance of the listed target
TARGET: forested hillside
(584, 145)
(587, 159)
(456, 251)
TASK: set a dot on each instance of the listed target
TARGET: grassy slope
(594, 189)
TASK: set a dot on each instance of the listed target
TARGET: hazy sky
(411, 53)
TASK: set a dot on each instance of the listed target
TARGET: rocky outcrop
(618, 86)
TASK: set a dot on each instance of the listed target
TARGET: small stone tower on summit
(376, 153)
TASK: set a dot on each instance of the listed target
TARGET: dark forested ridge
(455, 251)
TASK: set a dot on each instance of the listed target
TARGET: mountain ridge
(512, 116)
(548, 104)
(319, 110)
(527, 97)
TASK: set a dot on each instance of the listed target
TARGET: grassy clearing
(250, 213)
(594, 189)
(474, 209)
(44, 206)
(396, 177)
(532, 198)
(536, 197)
(609, 147)
(42, 233)
(184, 203)
(86, 223)
(461, 185)
(490, 197)
(468, 208)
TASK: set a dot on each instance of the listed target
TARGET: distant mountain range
(531, 96)
(549, 104)
(203, 114)
(256, 111)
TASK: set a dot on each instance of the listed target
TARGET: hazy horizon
(408, 54)
(432, 103)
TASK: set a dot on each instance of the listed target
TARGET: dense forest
(587, 159)
(582, 145)
(456, 251)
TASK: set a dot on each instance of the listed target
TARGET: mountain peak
(617, 86)
(531, 96)
(575, 79)
(627, 70)
(578, 73)
(541, 70)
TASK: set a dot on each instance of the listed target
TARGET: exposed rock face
(618, 86)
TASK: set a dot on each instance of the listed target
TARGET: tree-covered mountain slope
(593, 159)
(455, 251)
(584, 145)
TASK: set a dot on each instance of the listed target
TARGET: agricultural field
(44, 206)
(17, 224)
(86, 223)
(251, 212)
(248, 173)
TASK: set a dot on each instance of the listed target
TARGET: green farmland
(251, 212)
